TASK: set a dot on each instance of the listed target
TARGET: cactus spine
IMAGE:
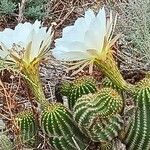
(98, 114)
(138, 134)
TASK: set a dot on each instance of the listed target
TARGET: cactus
(57, 121)
(65, 87)
(138, 133)
(108, 83)
(98, 114)
(5, 143)
(77, 88)
(64, 143)
(27, 125)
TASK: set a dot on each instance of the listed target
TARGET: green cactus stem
(25, 121)
(57, 122)
(79, 87)
(137, 135)
(65, 87)
(98, 114)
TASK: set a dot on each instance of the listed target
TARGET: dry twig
(21, 10)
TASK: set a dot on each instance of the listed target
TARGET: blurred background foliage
(34, 9)
(134, 24)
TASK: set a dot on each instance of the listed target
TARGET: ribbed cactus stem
(105, 102)
(80, 86)
(98, 114)
(26, 124)
(138, 133)
(109, 67)
(32, 76)
(57, 122)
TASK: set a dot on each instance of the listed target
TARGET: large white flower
(26, 42)
(88, 39)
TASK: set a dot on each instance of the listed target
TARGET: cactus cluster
(94, 114)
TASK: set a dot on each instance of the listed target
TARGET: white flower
(31, 39)
(88, 39)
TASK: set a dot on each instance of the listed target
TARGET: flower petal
(101, 20)
(72, 46)
(62, 54)
(4, 51)
(81, 25)
(87, 33)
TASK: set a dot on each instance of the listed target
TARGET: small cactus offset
(79, 87)
(57, 122)
(27, 125)
(65, 87)
(98, 114)
(5, 143)
(138, 134)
